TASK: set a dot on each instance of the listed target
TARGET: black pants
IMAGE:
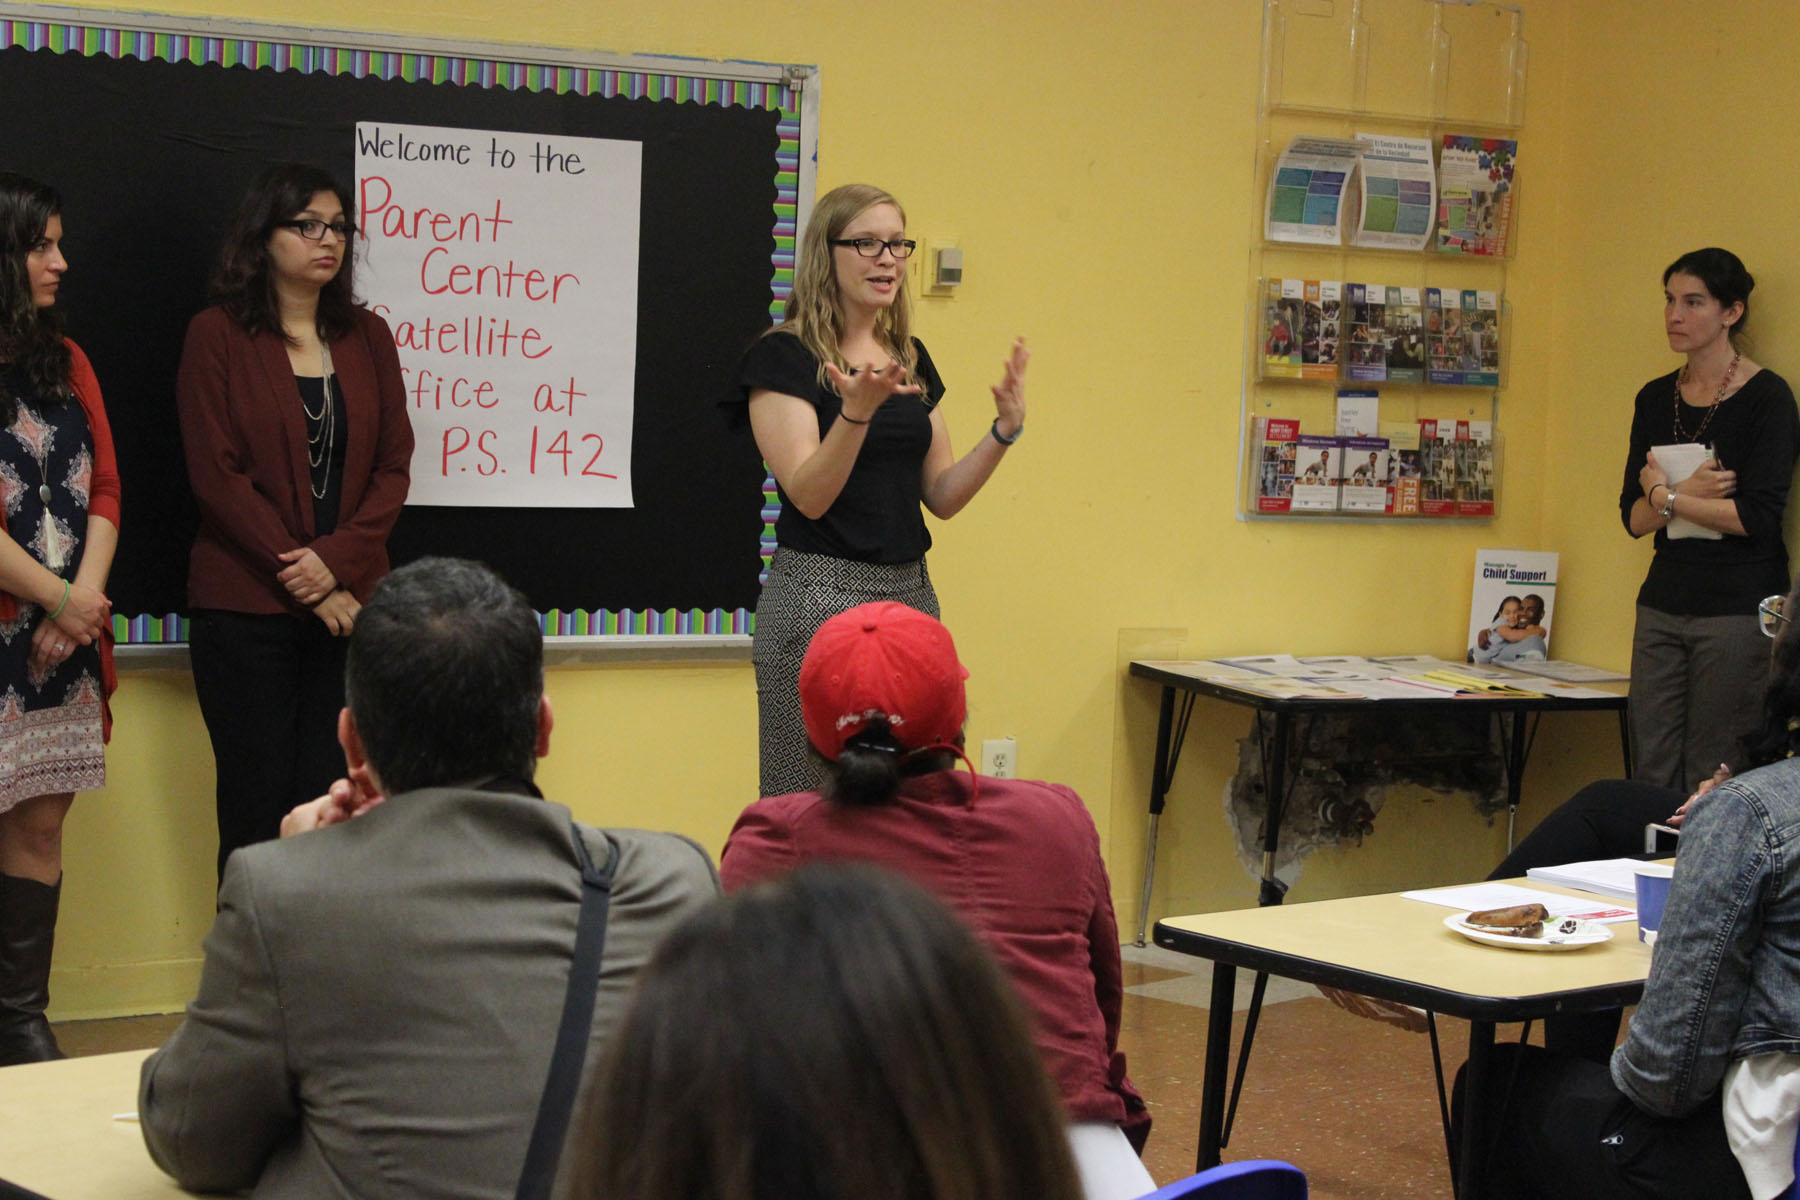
(270, 688)
(1566, 1131)
(1603, 820)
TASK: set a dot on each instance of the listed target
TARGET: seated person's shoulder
(658, 864)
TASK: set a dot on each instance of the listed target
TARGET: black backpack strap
(558, 1102)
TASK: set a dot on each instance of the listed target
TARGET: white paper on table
(1678, 461)
(1476, 897)
(1201, 668)
(1569, 672)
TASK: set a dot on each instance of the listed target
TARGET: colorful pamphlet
(1475, 194)
(1474, 468)
(1275, 442)
(1402, 438)
(1319, 476)
(1302, 328)
(1399, 193)
(1365, 475)
(1310, 192)
(1512, 602)
(1437, 468)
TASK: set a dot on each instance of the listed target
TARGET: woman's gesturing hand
(1009, 393)
(868, 389)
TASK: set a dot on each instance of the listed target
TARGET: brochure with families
(1402, 438)
(1302, 328)
(1474, 468)
(1313, 192)
(1320, 462)
(1275, 441)
(1365, 475)
(1399, 193)
(1365, 331)
(1510, 610)
(1480, 363)
(1678, 461)
(1405, 335)
(1475, 194)
(1437, 467)
(1443, 336)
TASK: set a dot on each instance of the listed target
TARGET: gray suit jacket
(380, 998)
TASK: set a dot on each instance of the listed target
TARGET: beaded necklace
(1681, 435)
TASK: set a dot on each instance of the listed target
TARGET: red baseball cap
(882, 660)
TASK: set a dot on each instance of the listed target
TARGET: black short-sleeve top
(877, 517)
(1755, 432)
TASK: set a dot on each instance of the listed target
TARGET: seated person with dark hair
(380, 999)
(1703, 1097)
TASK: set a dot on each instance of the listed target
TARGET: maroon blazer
(245, 439)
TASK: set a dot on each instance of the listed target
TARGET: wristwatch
(1003, 440)
(1668, 505)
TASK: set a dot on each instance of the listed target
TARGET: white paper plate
(1553, 937)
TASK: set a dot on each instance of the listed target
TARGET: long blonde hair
(813, 313)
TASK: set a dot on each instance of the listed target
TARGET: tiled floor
(1350, 1101)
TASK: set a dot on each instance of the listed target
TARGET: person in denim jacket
(1702, 1097)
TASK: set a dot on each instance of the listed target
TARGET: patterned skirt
(804, 591)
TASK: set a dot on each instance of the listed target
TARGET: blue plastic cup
(1652, 895)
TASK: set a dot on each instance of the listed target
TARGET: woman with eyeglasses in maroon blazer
(299, 452)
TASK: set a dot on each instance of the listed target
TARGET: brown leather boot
(27, 936)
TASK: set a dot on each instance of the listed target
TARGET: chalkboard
(152, 134)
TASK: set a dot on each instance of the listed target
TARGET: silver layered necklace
(321, 429)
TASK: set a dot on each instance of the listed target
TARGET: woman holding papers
(293, 419)
(843, 401)
(1713, 496)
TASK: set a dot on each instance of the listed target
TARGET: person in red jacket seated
(882, 697)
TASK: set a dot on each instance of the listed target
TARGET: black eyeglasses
(870, 247)
(1769, 617)
(313, 230)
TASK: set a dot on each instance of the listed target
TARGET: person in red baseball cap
(882, 696)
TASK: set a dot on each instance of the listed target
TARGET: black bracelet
(846, 416)
(1002, 439)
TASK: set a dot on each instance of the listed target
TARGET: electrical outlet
(1000, 758)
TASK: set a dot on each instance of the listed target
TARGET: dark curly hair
(31, 337)
(242, 286)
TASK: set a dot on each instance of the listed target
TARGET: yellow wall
(1095, 163)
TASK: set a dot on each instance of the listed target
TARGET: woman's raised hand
(1009, 393)
(868, 389)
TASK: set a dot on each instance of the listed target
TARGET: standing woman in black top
(1698, 661)
(843, 401)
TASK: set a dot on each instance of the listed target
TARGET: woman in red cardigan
(59, 490)
(298, 449)
(883, 702)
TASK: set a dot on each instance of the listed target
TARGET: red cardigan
(1022, 866)
(245, 441)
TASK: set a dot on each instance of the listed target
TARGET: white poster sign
(507, 265)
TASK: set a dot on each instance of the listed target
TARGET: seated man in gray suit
(380, 998)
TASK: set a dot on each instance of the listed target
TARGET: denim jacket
(1725, 977)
